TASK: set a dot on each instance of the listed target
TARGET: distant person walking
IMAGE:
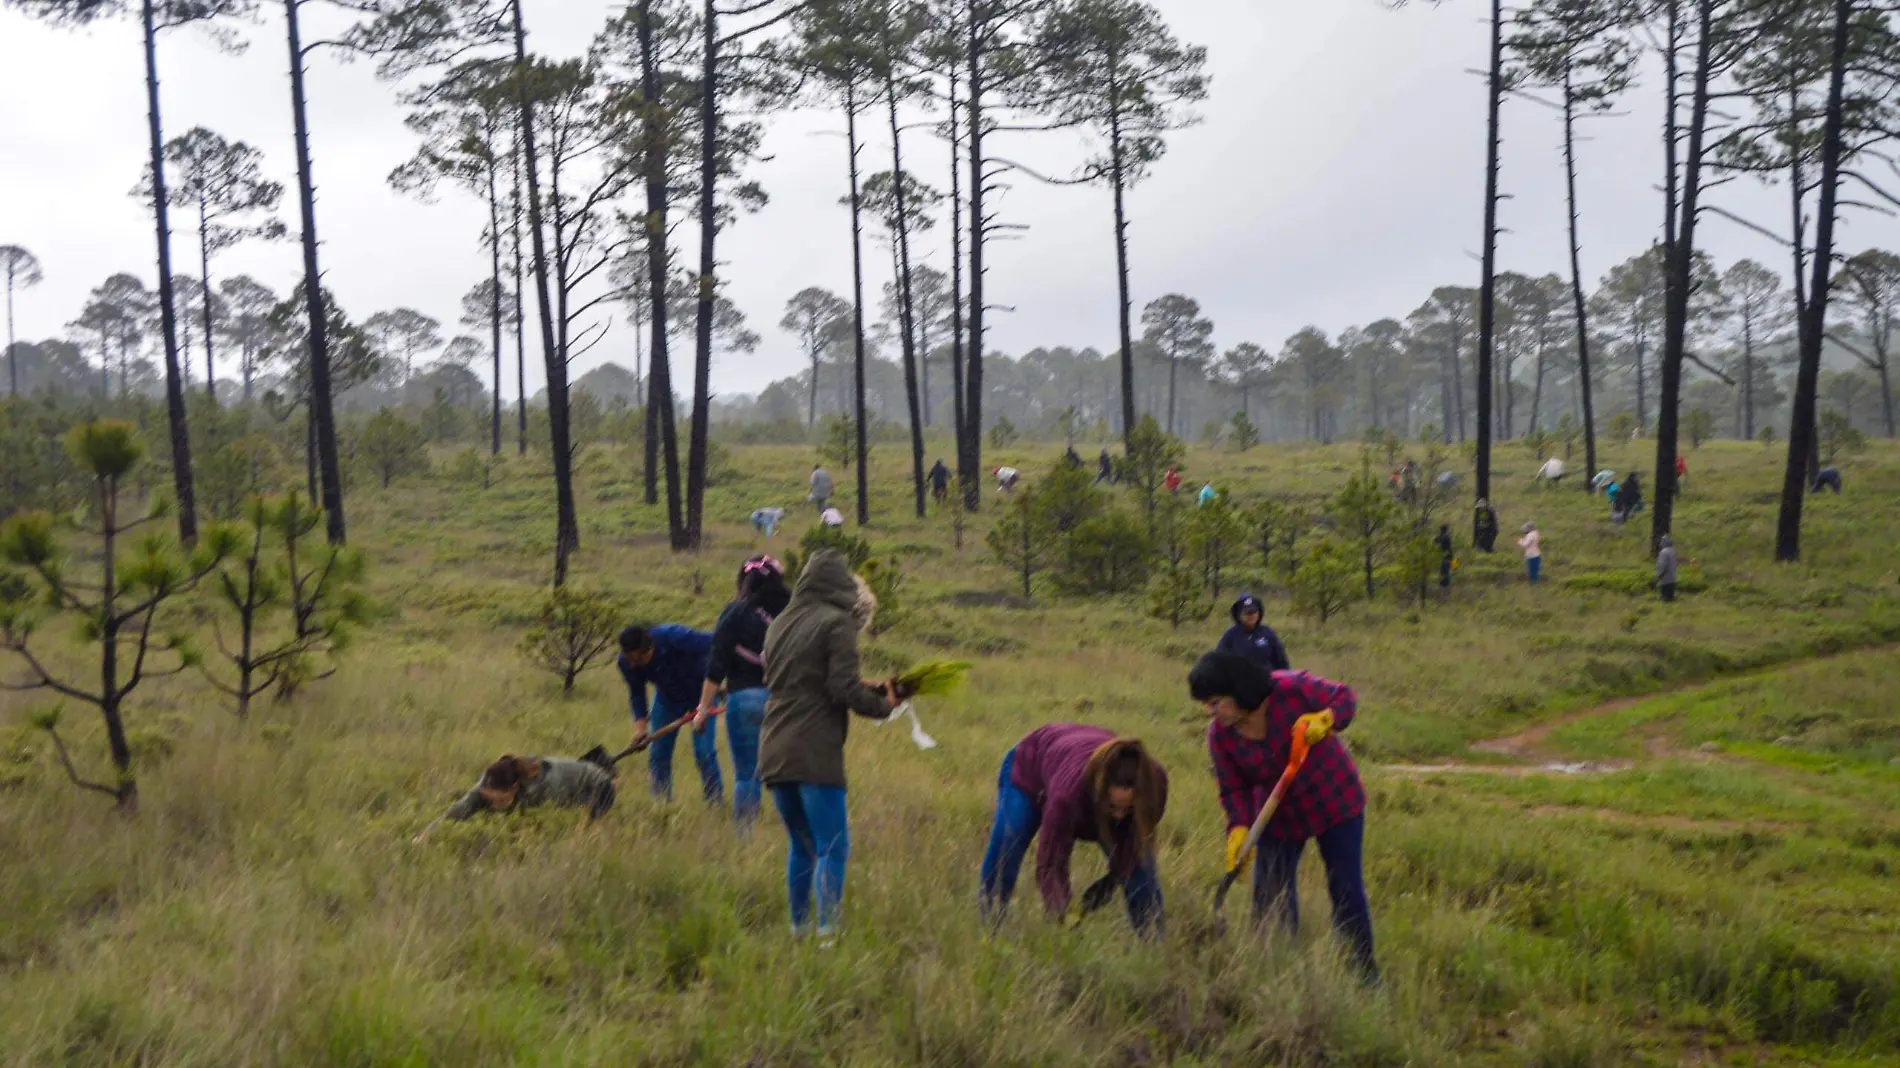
(1251, 637)
(1484, 526)
(1105, 468)
(1067, 783)
(1666, 568)
(1828, 478)
(1443, 542)
(1682, 475)
(811, 670)
(672, 659)
(1172, 480)
(1533, 545)
(820, 487)
(939, 482)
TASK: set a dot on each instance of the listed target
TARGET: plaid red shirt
(1326, 792)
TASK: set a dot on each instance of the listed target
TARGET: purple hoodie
(1051, 765)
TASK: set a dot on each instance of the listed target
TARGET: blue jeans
(745, 712)
(1017, 820)
(1276, 886)
(1534, 565)
(820, 844)
(660, 756)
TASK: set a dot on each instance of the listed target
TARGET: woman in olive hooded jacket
(811, 670)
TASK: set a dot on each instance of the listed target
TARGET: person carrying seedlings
(672, 659)
(1069, 782)
(1252, 714)
(820, 487)
(939, 482)
(1533, 545)
(737, 666)
(520, 782)
(1829, 478)
(811, 671)
(1666, 568)
(1445, 558)
(1484, 526)
(1251, 637)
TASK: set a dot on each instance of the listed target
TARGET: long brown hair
(1125, 762)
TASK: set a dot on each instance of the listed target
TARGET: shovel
(1296, 758)
(599, 756)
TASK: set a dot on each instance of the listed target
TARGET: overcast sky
(1335, 180)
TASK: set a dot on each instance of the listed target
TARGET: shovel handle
(1296, 759)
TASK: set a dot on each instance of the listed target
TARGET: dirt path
(1530, 745)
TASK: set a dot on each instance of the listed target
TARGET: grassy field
(1723, 896)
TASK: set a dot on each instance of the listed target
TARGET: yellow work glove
(1316, 725)
(1236, 838)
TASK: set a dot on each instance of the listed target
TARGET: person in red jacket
(1067, 782)
(1252, 715)
(1682, 474)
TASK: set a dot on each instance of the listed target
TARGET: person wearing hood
(1066, 783)
(811, 672)
(1445, 558)
(1484, 526)
(1105, 468)
(737, 666)
(1251, 637)
(939, 481)
(1666, 568)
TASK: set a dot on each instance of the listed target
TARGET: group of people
(781, 667)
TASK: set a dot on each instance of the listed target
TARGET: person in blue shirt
(672, 659)
(1252, 638)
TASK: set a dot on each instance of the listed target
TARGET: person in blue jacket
(1252, 638)
(672, 659)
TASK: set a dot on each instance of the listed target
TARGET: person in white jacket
(1533, 545)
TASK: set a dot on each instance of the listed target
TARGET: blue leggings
(1276, 886)
(820, 844)
(660, 756)
(1017, 820)
(745, 713)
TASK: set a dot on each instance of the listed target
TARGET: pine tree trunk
(1124, 307)
(906, 306)
(322, 416)
(1801, 433)
(168, 316)
(494, 296)
(1576, 289)
(204, 292)
(957, 398)
(566, 531)
(972, 458)
(689, 533)
(1679, 268)
(857, 310)
(521, 319)
(1487, 294)
(662, 444)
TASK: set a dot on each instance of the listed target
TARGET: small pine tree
(1175, 596)
(1700, 425)
(1836, 436)
(1108, 554)
(1366, 512)
(1217, 533)
(1278, 526)
(392, 445)
(1241, 433)
(839, 445)
(1024, 540)
(1323, 586)
(130, 592)
(1414, 562)
(1149, 454)
(1003, 434)
(575, 628)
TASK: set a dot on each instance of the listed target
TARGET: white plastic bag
(909, 709)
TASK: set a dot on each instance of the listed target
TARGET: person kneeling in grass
(1252, 714)
(518, 782)
(1067, 782)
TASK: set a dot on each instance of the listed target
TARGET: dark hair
(635, 639)
(1230, 675)
(1124, 762)
(503, 774)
